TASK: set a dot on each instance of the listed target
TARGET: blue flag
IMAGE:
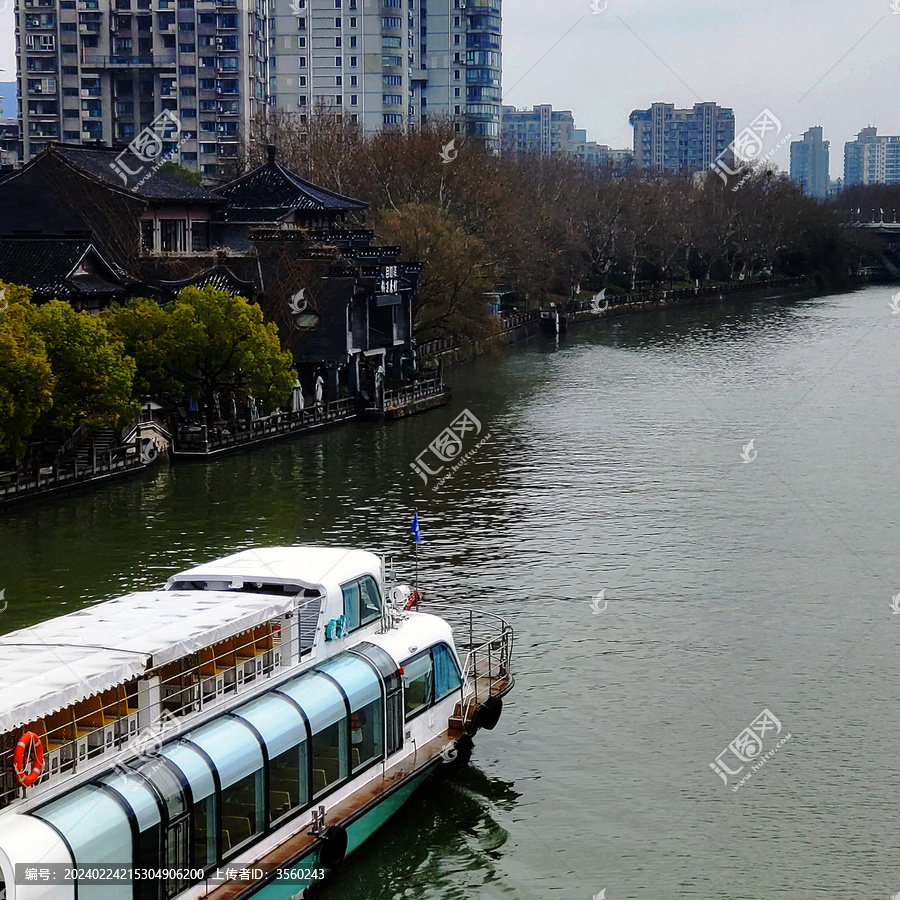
(415, 528)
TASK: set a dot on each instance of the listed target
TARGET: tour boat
(238, 733)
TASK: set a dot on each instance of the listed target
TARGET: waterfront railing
(204, 439)
(104, 463)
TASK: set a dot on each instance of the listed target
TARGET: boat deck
(298, 845)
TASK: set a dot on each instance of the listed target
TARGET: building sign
(390, 280)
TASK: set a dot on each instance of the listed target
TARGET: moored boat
(238, 733)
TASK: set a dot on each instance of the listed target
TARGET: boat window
(324, 706)
(393, 703)
(329, 757)
(362, 686)
(166, 782)
(238, 758)
(446, 672)
(283, 730)
(98, 831)
(203, 801)
(139, 796)
(418, 683)
(362, 602)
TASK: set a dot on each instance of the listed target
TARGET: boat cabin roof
(52, 665)
(311, 567)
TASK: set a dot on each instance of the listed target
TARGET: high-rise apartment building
(809, 163)
(681, 140)
(397, 63)
(104, 70)
(543, 131)
(872, 159)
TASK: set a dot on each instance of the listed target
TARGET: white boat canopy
(52, 665)
(315, 567)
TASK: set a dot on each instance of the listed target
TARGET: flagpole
(416, 545)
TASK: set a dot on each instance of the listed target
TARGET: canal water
(668, 584)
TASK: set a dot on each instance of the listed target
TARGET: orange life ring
(413, 601)
(28, 742)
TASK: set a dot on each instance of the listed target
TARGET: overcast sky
(811, 62)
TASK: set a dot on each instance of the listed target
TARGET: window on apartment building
(352, 41)
(187, 48)
(207, 84)
(185, 26)
(301, 43)
(337, 4)
(354, 62)
(354, 99)
(392, 118)
(391, 22)
(67, 26)
(69, 48)
(338, 61)
(337, 42)
(339, 81)
(337, 22)
(301, 23)
(302, 81)
(188, 113)
(351, 22)
(302, 62)
(456, 74)
(354, 81)
(187, 70)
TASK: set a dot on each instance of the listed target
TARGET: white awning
(57, 663)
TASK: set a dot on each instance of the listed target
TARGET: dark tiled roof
(271, 192)
(159, 186)
(220, 277)
(46, 265)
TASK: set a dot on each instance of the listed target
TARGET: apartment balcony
(128, 62)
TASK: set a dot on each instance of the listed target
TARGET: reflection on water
(444, 844)
(614, 464)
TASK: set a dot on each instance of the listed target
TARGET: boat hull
(359, 829)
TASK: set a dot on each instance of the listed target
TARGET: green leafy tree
(141, 325)
(93, 373)
(182, 174)
(26, 380)
(216, 342)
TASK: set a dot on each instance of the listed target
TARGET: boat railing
(484, 642)
(105, 724)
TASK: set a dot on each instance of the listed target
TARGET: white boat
(236, 734)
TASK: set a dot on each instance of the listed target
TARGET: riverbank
(520, 326)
